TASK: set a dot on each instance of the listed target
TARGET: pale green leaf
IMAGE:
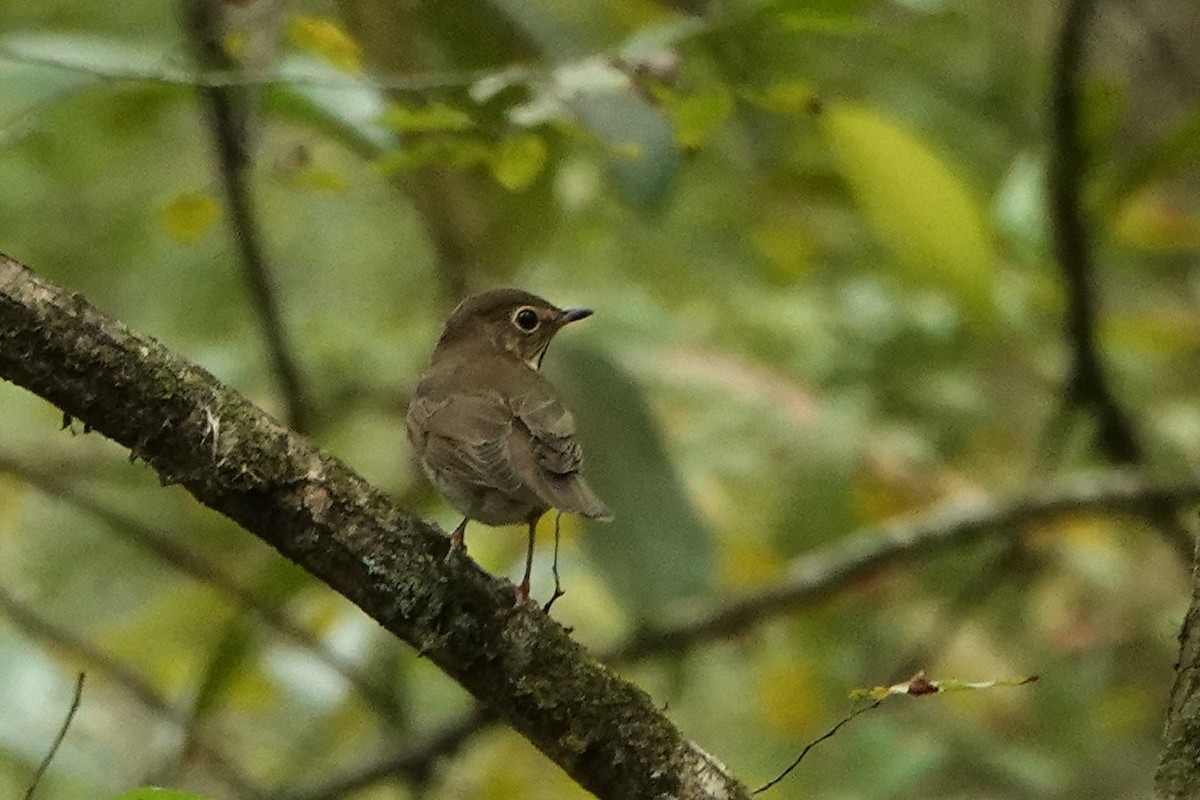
(916, 202)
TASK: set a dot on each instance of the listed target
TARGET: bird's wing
(466, 436)
(551, 431)
(545, 429)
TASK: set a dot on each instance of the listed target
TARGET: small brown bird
(489, 428)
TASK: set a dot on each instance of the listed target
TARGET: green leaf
(155, 793)
(189, 216)
(696, 117)
(516, 162)
(453, 151)
(658, 550)
(916, 203)
(423, 119)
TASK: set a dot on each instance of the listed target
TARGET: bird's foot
(456, 543)
(558, 592)
(522, 593)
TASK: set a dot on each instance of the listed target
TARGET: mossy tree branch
(603, 731)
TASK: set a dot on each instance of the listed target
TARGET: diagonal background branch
(603, 731)
(814, 577)
(375, 696)
(26, 617)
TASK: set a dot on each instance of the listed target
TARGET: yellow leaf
(518, 161)
(189, 216)
(324, 38)
(916, 203)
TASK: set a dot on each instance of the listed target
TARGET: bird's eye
(526, 319)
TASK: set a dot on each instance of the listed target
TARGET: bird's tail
(571, 493)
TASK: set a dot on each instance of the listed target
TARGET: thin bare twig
(829, 734)
(58, 739)
(229, 121)
(28, 619)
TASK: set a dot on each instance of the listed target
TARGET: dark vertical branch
(1088, 388)
(228, 119)
(1087, 385)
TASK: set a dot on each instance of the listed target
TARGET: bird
(489, 428)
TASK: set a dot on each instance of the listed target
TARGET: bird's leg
(558, 590)
(456, 538)
(523, 589)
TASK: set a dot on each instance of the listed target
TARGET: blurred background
(833, 247)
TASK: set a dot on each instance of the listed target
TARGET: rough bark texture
(1179, 764)
(605, 732)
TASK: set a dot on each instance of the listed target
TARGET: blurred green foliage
(816, 237)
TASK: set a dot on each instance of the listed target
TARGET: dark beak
(575, 314)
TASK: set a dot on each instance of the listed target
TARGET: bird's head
(509, 320)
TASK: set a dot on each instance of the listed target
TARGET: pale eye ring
(526, 319)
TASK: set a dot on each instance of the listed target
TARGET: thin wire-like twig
(558, 590)
(28, 619)
(58, 740)
(829, 734)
